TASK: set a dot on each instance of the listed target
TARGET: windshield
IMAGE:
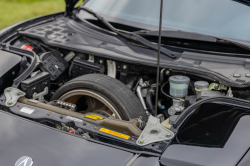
(222, 18)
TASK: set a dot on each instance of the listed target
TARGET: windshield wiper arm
(130, 35)
(194, 36)
(179, 34)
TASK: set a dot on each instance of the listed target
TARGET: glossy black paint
(236, 146)
(245, 160)
(210, 125)
(146, 160)
(9, 68)
(19, 137)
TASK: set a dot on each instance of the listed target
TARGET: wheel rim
(95, 102)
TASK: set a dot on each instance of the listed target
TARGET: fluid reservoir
(201, 85)
(179, 86)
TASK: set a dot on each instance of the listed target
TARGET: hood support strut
(70, 4)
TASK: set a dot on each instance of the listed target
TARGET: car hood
(45, 146)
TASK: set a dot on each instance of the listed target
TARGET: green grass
(13, 11)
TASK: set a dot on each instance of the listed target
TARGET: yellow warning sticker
(93, 116)
(120, 135)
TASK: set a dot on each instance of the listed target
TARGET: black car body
(78, 88)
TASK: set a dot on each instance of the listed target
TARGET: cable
(169, 95)
(149, 101)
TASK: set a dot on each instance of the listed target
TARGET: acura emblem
(24, 161)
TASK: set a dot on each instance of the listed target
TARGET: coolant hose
(149, 102)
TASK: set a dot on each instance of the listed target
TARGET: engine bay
(101, 98)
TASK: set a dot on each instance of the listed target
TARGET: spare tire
(111, 92)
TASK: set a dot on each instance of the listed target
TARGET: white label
(74, 119)
(27, 110)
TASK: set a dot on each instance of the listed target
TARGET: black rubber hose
(149, 102)
(162, 76)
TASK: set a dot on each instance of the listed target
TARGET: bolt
(84, 124)
(169, 135)
(19, 93)
(61, 117)
(17, 105)
(95, 128)
(10, 103)
(132, 139)
(48, 114)
(153, 131)
(70, 33)
(125, 67)
(101, 61)
(167, 72)
(141, 141)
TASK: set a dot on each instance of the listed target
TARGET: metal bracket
(154, 132)
(12, 95)
(178, 106)
(124, 72)
(91, 58)
(40, 96)
(111, 68)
